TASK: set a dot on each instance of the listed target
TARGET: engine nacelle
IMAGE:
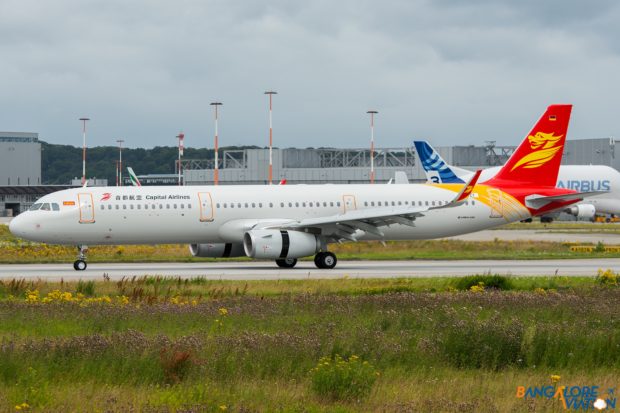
(582, 211)
(217, 250)
(275, 244)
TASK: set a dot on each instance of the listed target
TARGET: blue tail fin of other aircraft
(434, 165)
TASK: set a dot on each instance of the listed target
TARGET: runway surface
(551, 235)
(304, 270)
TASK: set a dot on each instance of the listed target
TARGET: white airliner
(287, 222)
(583, 178)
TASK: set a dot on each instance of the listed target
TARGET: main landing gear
(287, 262)
(325, 260)
(80, 263)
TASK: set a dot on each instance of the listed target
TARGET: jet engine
(217, 250)
(582, 211)
(279, 244)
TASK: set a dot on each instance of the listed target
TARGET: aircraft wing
(347, 225)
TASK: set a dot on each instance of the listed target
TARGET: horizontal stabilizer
(539, 201)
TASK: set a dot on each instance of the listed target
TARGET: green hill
(61, 163)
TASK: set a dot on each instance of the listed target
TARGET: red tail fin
(537, 160)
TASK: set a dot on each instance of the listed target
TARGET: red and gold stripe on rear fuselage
(500, 202)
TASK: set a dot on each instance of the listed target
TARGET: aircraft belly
(439, 224)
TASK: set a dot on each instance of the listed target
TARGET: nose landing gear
(80, 263)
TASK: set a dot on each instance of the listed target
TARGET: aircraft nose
(18, 225)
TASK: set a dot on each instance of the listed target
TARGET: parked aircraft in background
(133, 177)
(287, 222)
(583, 178)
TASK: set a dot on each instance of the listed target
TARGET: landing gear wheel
(325, 260)
(287, 262)
(79, 265)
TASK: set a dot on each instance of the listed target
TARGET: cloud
(448, 71)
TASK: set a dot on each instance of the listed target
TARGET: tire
(325, 260)
(317, 259)
(286, 262)
(79, 265)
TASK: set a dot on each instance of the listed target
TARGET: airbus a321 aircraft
(287, 222)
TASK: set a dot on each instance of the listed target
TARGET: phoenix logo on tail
(548, 144)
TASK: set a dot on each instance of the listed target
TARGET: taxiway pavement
(262, 270)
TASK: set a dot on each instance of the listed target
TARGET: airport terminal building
(352, 166)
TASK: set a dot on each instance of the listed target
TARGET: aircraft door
(206, 206)
(349, 203)
(87, 208)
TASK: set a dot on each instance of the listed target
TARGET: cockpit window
(45, 207)
(55, 207)
(34, 207)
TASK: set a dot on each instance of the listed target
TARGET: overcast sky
(453, 72)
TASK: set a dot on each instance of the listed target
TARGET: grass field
(13, 250)
(568, 226)
(432, 345)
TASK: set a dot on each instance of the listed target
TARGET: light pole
(216, 168)
(270, 93)
(84, 149)
(120, 161)
(116, 166)
(372, 145)
(180, 137)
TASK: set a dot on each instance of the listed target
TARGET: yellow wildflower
(477, 288)
(223, 311)
(555, 378)
(32, 296)
(223, 407)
